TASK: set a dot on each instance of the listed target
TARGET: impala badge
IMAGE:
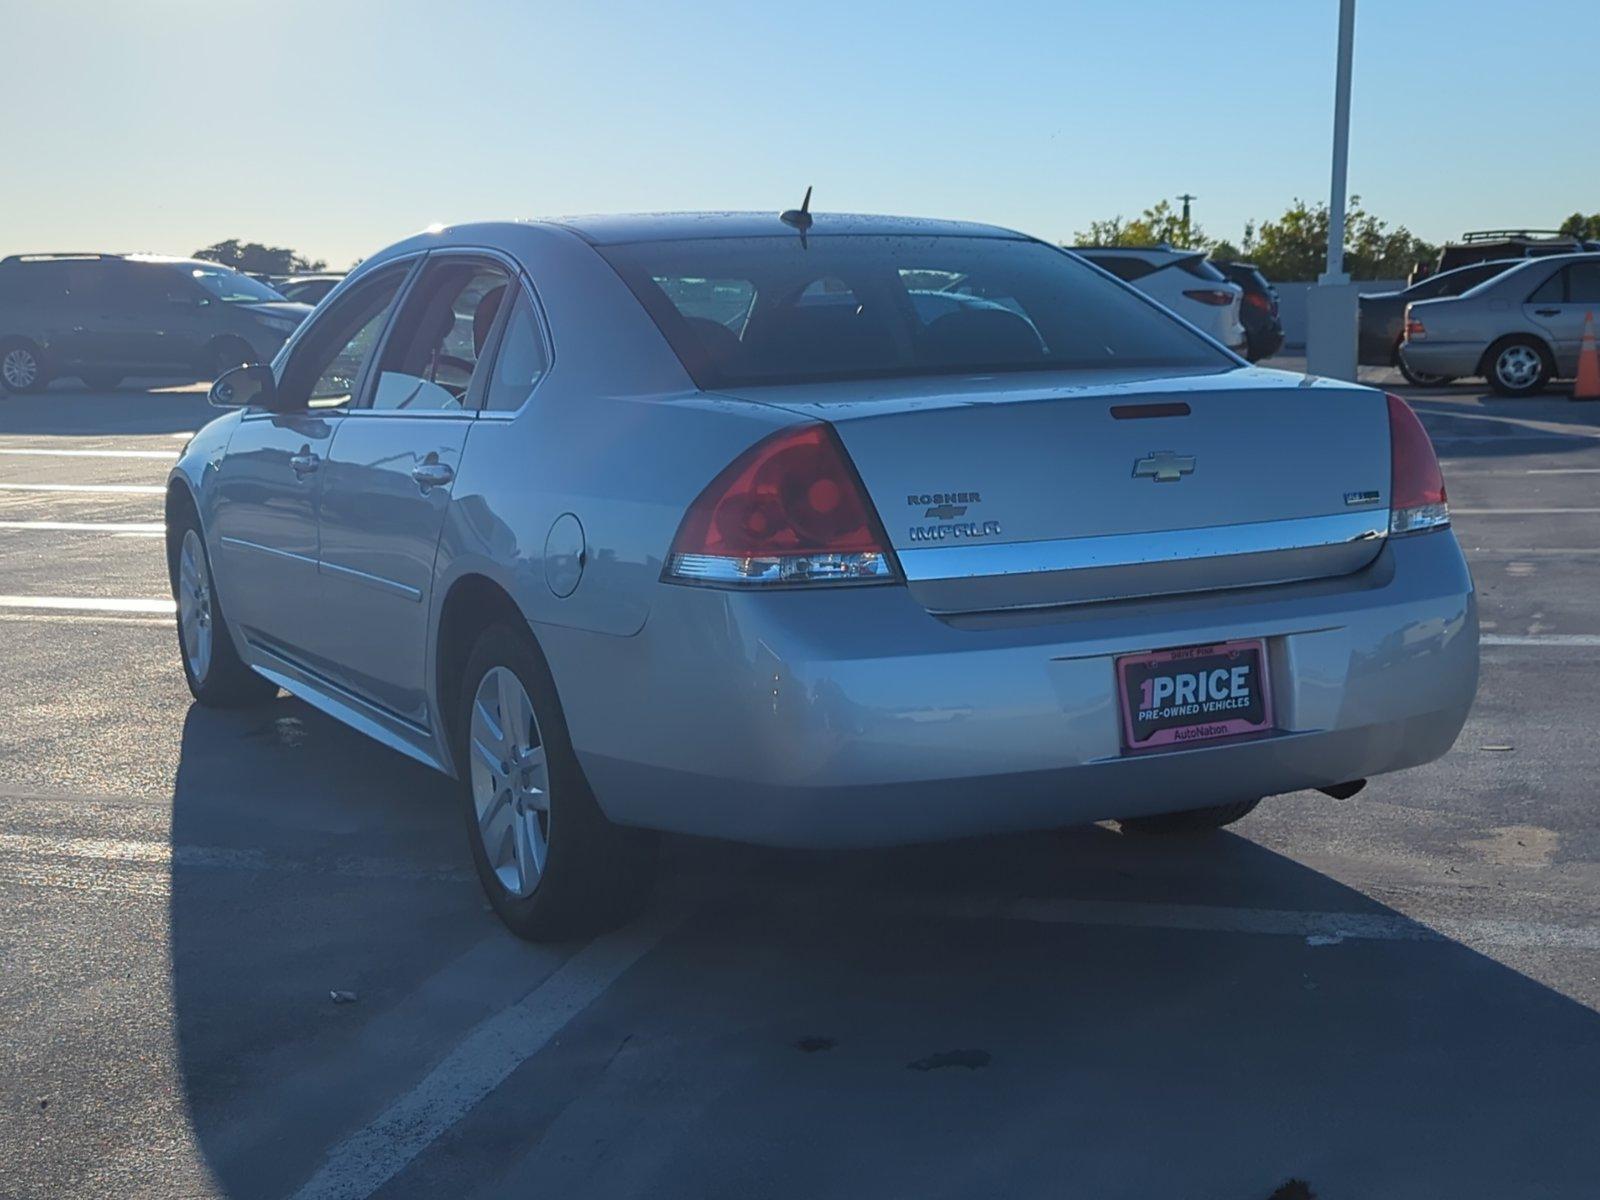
(1164, 466)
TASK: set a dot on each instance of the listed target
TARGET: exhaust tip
(1343, 791)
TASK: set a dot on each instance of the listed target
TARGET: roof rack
(54, 256)
(1500, 235)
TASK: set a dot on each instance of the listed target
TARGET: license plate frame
(1136, 675)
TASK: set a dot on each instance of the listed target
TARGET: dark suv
(1258, 309)
(100, 317)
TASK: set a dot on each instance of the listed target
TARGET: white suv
(1183, 281)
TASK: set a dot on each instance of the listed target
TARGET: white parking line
(1328, 927)
(164, 455)
(365, 1161)
(144, 867)
(1539, 639)
(140, 527)
(1517, 512)
(108, 604)
(125, 489)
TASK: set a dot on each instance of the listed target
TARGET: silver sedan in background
(813, 530)
(1519, 330)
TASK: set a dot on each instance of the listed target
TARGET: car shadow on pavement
(124, 411)
(1073, 1013)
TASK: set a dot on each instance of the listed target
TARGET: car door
(268, 486)
(1561, 305)
(388, 482)
(154, 321)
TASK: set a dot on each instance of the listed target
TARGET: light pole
(1186, 198)
(1331, 305)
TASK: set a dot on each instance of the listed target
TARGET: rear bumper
(1442, 358)
(856, 718)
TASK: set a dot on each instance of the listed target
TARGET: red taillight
(1414, 330)
(1258, 300)
(1210, 296)
(1416, 487)
(788, 510)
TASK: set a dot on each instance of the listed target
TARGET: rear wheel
(21, 367)
(1422, 378)
(551, 864)
(217, 676)
(1194, 820)
(1518, 366)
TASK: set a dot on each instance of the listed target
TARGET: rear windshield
(770, 310)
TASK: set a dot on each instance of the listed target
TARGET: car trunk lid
(1007, 492)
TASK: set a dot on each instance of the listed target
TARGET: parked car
(1183, 281)
(1258, 309)
(806, 567)
(1383, 315)
(1518, 330)
(1485, 244)
(101, 317)
(307, 289)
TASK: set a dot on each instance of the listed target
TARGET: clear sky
(335, 127)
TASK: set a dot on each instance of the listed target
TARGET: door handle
(432, 474)
(1547, 312)
(305, 462)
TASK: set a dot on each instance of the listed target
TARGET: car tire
(101, 381)
(551, 864)
(1190, 821)
(217, 676)
(1422, 378)
(1518, 366)
(22, 367)
(228, 353)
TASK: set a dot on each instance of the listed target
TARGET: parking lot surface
(1393, 995)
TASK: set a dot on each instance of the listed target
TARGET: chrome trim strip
(1141, 549)
(379, 724)
(239, 543)
(403, 590)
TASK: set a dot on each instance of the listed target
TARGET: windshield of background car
(232, 287)
(772, 310)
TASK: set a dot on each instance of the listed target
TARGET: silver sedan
(813, 530)
(1519, 330)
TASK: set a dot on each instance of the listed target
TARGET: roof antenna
(800, 217)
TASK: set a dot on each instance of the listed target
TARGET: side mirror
(249, 386)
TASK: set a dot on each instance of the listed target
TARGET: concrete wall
(1292, 306)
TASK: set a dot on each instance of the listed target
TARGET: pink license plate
(1195, 694)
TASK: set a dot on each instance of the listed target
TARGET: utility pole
(1331, 305)
(1186, 198)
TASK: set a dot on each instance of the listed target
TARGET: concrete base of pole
(1331, 313)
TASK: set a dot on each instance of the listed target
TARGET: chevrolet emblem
(1164, 466)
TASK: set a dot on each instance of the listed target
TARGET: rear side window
(521, 361)
(856, 306)
(1200, 269)
(1551, 291)
(30, 282)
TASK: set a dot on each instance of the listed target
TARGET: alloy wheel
(19, 368)
(1518, 366)
(194, 605)
(510, 781)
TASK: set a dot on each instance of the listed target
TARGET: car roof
(610, 230)
(1139, 251)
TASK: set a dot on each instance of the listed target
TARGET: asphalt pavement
(1393, 995)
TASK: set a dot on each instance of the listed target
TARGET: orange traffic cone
(1588, 384)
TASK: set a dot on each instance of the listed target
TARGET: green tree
(1580, 226)
(1158, 223)
(1294, 247)
(256, 259)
